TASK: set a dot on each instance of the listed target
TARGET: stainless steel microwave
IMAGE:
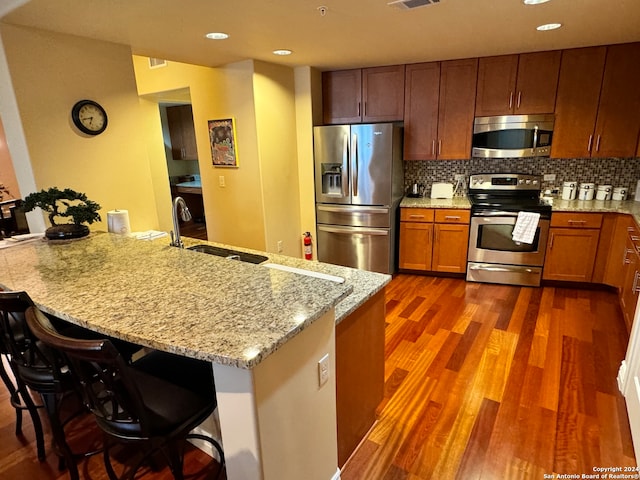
(510, 136)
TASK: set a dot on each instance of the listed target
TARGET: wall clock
(89, 117)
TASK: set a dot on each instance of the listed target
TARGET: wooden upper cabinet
(422, 84)
(182, 132)
(496, 85)
(342, 96)
(439, 106)
(577, 101)
(456, 108)
(363, 95)
(618, 122)
(383, 94)
(517, 84)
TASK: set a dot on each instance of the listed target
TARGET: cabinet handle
(365, 109)
(435, 235)
(433, 148)
(551, 241)
(452, 217)
(631, 229)
(634, 238)
(510, 99)
(519, 98)
(416, 216)
(635, 282)
(439, 147)
(590, 141)
(359, 113)
(579, 222)
(598, 144)
(625, 259)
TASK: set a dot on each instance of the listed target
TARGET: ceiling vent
(157, 62)
(410, 4)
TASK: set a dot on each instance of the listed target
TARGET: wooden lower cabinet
(434, 239)
(416, 243)
(450, 248)
(359, 373)
(571, 254)
(628, 293)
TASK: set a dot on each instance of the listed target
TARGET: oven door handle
(491, 268)
(496, 213)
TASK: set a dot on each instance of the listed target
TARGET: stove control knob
(528, 181)
(535, 182)
(521, 181)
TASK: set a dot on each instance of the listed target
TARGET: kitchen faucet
(185, 214)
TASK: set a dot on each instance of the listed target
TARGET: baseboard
(622, 377)
(336, 476)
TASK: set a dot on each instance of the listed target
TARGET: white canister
(569, 190)
(619, 193)
(586, 191)
(604, 192)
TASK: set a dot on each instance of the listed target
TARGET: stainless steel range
(494, 256)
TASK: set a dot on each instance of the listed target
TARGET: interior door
(629, 383)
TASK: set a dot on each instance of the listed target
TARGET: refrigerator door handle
(353, 209)
(354, 174)
(345, 165)
(354, 230)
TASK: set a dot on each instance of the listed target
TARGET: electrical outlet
(279, 246)
(323, 370)
(221, 181)
(459, 176)
(549, 177)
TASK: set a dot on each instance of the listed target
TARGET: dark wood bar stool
(154, 403)
(33, 370)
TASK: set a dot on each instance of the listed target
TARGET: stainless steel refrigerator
(359, 184)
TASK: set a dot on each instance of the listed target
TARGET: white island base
(277, 423)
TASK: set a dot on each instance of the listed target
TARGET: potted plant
(64, 203)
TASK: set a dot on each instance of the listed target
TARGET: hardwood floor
(497, 382)
(482, 382)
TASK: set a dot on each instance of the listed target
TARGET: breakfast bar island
(263, 329)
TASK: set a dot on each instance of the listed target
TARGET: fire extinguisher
(308, 250)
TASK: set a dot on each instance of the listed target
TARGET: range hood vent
(157, 62)
(410, 4)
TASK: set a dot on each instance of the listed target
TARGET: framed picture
(222, 136)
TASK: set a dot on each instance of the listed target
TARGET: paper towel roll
(118, 222)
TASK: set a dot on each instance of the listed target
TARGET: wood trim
(359, 373)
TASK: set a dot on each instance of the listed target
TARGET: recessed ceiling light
(548, 26)
(534, 2)
(217, 36)
(282, 52)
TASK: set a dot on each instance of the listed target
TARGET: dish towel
(524, 230)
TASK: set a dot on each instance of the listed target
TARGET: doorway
(181, 154)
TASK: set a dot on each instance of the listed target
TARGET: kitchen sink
(228, 253)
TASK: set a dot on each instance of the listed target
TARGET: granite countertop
(176, 300)
(422, 202)
(629, 207)
(364, 284)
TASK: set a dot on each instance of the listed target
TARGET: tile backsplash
(619, 172)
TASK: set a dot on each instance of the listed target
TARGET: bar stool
(33, 370)
(136, 404)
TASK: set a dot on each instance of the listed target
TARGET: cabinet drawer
(576, 220)
(452, 216)
(416, 214)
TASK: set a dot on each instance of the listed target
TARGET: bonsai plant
(64, 203)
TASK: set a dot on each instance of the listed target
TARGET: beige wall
(260, 202)
(308, 113)
(234, 213)
(7, 173)
(50, 72)
(276, 126)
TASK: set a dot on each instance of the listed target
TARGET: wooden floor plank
(481, 381)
